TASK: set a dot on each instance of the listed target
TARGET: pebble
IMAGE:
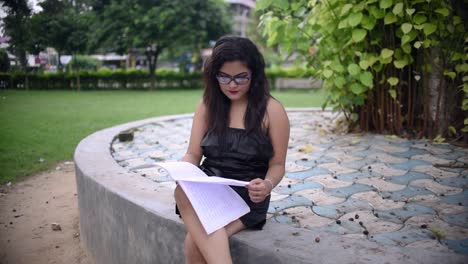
(351, 219)
(424, 226)
(365, 232)
(338, 222)
(56, 227)
(317, 239)
(356, 216)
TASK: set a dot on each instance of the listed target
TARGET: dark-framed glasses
(226, 79)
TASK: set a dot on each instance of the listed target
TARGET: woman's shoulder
(275, 112)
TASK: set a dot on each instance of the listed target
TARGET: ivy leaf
(353, 69)
(392, 93)
(429, 28)
(406, 27)
(343, 23)
(357, 88)
(346, 9)
(354, 19)
(390, 18)
(419, 19)
(417, 44)
(327, 73)
(443, 11)
(339, 81)
(385, 4)
(364, 64)
(400, 64)
(386, 53)
(398, 8)
(263, 4)
(410, 11)
(366, 79)
(282, 4)
(450, 74)
(393, 81)
(359, 34)
(368, 22)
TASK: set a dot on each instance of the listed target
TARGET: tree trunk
(152, 55)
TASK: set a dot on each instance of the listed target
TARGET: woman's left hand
(258, 190)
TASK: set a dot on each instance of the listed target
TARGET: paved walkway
(385, 189)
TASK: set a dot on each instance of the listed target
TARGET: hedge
(106, 79)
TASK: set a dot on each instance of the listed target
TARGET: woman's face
(234, 80)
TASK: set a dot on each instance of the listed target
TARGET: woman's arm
(194, 151)
(278, 130)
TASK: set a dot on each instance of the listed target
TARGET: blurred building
(241, 13)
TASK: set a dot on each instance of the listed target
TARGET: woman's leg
(193, 254)
(215, 247)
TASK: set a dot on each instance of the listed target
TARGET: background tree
(17, 26)
(154, 26)
(392, 66)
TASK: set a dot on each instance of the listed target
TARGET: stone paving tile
(459, 246)
(366, 220)
(337, 210)
(408, 177)
(389, 182)
(432, 245)
(288, 202)
(305, 217)
(319, 197)
(400, 215)
(435, 187)
(405, 236)
(457, 219)
(459, 198)
(329, 182)
(290, 189)
(435, 224)
(405, 194)
(435, 172)
(381, 184)
(384, 170)
(442, 207)
(430, 158)
(349, 190)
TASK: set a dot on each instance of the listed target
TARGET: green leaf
(366, 78)
(393, 81)
(282, 4)
(443, 11)
(390, 18)
(406, 27)
(359, 34)
(419, 19)
(327, 73)
(263, 4)
(343, 23)
(429, 28)
(465, 122)
(364, 64)
(346, 9)
(410, 11)
(400, 64)
(339, 81)
(368, 22)
(376, 12)
(385, 4)
(417, 44)
(406, 48)
(461, 67)
(354, 19)
(336, 66)
(392, 93)
(357, 88)
(452, 130)
(386, 53)
(450, 74)
(398, 8)
(353, 69)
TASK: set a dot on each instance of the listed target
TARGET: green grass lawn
(40, 128)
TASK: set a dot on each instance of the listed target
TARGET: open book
(215, 203)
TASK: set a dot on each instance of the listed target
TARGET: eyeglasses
(226, 79)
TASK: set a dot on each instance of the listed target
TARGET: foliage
(4, 61)
(152, 27)
(16, 25)
(384, 61)
(81, 62)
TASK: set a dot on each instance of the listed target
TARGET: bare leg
(215, 247)
(193, 254)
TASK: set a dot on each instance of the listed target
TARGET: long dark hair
(228, 49)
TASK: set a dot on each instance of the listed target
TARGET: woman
(243, 133)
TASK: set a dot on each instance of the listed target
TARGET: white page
(215, 203)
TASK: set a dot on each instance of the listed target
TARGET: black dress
(243, 157)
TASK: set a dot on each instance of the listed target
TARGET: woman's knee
(191, 251)
(180, 197)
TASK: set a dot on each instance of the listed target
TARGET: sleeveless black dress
(242, 157)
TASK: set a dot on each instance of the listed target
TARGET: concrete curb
(125, 218)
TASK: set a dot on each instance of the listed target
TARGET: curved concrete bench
(126, 218)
